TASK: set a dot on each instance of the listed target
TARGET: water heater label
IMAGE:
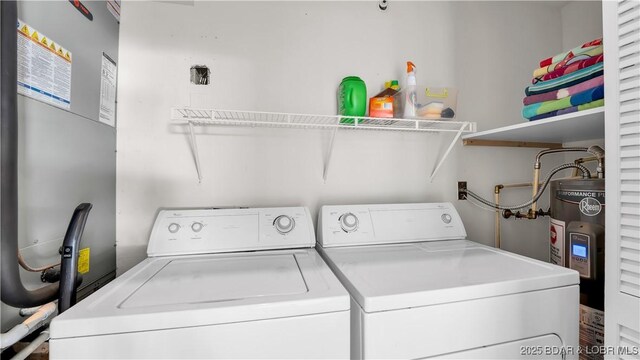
(576, 196)
(44, 68)
(556, 242)
(590, 206)
(591, 332)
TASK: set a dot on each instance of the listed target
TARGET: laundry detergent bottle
(352, 98)
(410, 95)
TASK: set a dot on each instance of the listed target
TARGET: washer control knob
(348, 222)
(284, 224)
(173, 228)
(446, 218)
(196, 226)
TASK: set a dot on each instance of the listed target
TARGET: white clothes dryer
(419, 289)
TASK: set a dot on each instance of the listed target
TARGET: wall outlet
(462, 190)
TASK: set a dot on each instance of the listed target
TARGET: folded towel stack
(567, 82)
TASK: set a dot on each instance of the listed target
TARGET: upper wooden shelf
(546, 133)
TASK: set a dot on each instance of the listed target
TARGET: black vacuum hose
(12, 291)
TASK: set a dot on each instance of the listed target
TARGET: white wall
(581, 22)
(290, 57)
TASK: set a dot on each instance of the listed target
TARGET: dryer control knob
(173, 228)
(284, 224)
(446, 218)
(196, 226)
(348, 222)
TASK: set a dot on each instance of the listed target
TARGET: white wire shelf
(192, 117)
(205, 117)
(553, 131)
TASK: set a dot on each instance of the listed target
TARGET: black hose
(69, 262)
(12, 291)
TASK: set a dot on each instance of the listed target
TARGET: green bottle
(352, 98)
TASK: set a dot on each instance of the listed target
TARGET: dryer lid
(388, 277)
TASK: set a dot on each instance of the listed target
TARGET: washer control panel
(197, 231)
(284, 224)
(350, 225)
(349, 222)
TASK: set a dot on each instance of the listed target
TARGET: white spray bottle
(410, 95)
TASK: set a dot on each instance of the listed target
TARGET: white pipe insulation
(25, 328)
(24, 353)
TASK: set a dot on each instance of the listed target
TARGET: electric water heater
(577, 242)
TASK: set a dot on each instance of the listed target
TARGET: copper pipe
(27, 267)
(595, 150)
(496, 199)
(536, 182)
(496, 190)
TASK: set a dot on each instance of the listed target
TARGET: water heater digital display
(579, 250)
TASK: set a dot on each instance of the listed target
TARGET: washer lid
(388, 277)
(192, 281)
(173, 292)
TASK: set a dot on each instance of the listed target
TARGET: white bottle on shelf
(410, 95)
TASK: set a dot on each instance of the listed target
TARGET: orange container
(381, 107)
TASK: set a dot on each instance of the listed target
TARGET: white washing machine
(420, 290)
(218, 283)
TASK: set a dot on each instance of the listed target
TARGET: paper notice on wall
(556, 242)
(108, 91)
(44, 68)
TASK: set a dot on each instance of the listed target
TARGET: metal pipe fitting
(598, 152)
(595, 150)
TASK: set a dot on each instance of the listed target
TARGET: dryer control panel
(200, 231)
(351, 225)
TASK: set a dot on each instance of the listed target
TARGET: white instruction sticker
(44, 68)
(591, 332)
(108, 91)
(556, 242)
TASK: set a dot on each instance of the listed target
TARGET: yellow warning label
(45, 67)
(25, 30)
(83, 260)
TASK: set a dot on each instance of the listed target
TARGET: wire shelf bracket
(192, 117)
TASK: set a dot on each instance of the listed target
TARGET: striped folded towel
(584, 97)
(589, 105)
(571, 79)
(564, 92)
(569, 68)
(571, 53)
(595, 51)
